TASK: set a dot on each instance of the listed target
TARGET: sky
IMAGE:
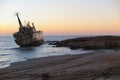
(56, 17)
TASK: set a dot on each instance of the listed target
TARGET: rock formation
(98, 42)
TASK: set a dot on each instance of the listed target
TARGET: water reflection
(10, 52)
(4, 62)
(3, 59)
(23, 53)
(24, 49)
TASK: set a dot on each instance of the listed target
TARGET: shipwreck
(27, 35)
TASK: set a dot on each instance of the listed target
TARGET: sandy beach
(100, 65)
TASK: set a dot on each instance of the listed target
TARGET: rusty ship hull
(34, 40)
(27, 35)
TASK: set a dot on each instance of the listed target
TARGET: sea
(10, 52)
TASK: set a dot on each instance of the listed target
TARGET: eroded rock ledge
(98, 42)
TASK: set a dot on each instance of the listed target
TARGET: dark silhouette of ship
(27, 35)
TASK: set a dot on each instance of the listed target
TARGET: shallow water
(10, 52)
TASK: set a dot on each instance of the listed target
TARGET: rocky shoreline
(96, 65)
(99, 65)
(98, 42)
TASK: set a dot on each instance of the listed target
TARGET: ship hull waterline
(25, 43)
(36, 43)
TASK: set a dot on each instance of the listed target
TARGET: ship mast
(20, 23)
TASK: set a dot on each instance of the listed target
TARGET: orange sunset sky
(62, 16)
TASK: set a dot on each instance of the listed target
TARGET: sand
(99, 65)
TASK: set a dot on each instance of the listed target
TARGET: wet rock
(98, 42)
